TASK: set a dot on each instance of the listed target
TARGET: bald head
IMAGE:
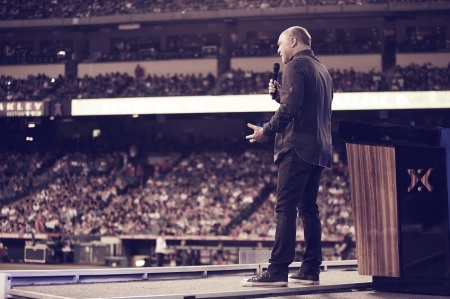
(293, 40)
(300, 33)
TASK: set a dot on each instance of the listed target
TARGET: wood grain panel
(374, 200)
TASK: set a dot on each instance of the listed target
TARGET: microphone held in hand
(276, 69)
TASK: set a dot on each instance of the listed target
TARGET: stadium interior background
(96, 189)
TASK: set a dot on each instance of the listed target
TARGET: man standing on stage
(302, 129)
(160, 249)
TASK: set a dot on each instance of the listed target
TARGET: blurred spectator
(139, 72)
(345, 250)
(4, 257)
(160, 249)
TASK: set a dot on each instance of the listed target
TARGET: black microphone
(276, 69)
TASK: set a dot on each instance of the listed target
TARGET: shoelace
(264, 274)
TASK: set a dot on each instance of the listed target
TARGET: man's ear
(294, 42)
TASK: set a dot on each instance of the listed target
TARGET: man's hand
(274, 87)
(258, 135)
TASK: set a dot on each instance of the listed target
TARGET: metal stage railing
(32, 283)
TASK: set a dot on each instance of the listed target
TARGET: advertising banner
(23, 109)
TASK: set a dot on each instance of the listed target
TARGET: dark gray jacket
(303, 120)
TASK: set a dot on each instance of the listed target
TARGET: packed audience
(112, 194)
(324, 43)
(19, 10)
(120, 85)
(116, 193)
(20, 172)
(352, 81)
(417, 77)
(54, 200)
(33, 88)
(345, 42)
(424, 43)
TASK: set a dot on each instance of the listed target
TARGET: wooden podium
(400, 179)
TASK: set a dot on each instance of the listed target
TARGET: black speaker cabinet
(36, 254)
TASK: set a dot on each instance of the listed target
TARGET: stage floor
(200, 282)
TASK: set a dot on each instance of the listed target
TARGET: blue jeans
(298, 186)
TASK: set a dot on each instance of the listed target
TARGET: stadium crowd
(114, 85)
(112, 193)
(20, 10)
(105, 193)
(19, 173)
(326, 42)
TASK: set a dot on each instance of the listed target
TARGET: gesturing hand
(258, 135)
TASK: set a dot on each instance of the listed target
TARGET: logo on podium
(419, 179)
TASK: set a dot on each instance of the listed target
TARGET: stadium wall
(23, 71)
(362, 63)
(158, 67)
(441, 60)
